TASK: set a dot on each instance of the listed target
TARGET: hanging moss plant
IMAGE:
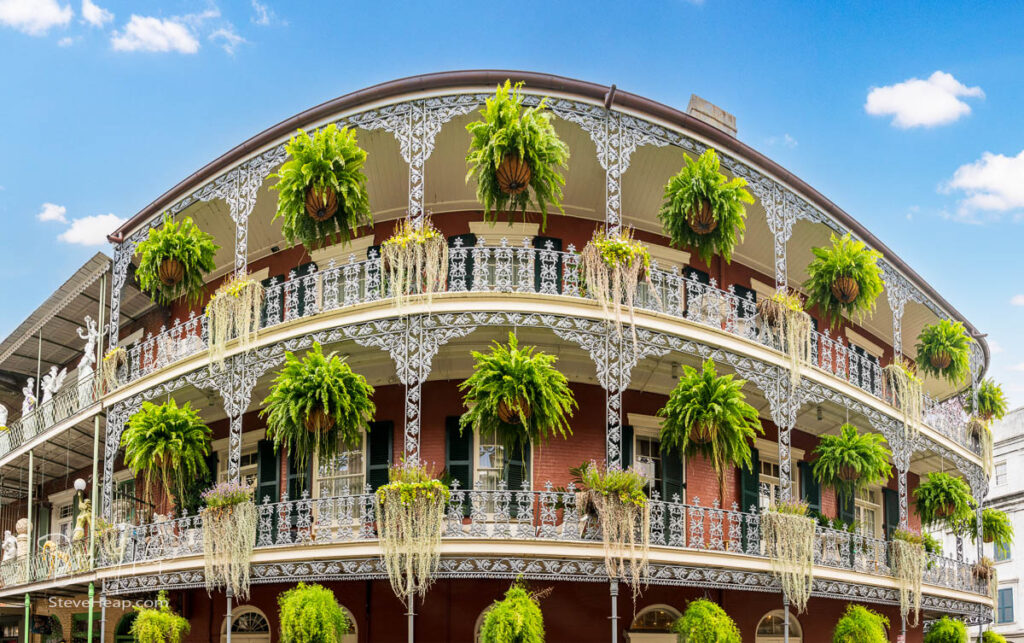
(321, 188)
(905, 389)
(946, 630)
(844, 279)
(519, 394)
(233, 313)
(852, 461)
(411, 511)
(317, 404)
(784, 316)
(611, 267)
(415, 260)
(166, 444)
(514, 619)
(944, 499)
(113, 360)
(174, 260)
(707, 414)
(229, 534)
(704, 209)
(788, 534)
(311, 614)
(624, 514)
(908, 556)
(991, 401)
(160, 624)
(515, 153)
(861, 625)
(944, 350)
(705, 622)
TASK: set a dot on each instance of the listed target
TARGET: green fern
(995, 528)
(159, 624)
(705, 400)
(167, 444)
(705, 622)
(846, 257)
(944, 499)
(992, 404)
(865, 453)
(311, 614)
(514, 619)
(950, 338)
(508, 128)
(510, 375)
(946, 630)
(861, 625)
(317, 382)
(698, 182)
(184, 242)
(331, 158)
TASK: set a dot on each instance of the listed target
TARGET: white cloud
(144, 33)
(785, 140)
(34, 17)
(994, 183)
(230, 38)
(994, 347)
(91, 231)
(1017, 300)
(263, 14)
(52, 212)
(66, 41)
(912, 211)
(922, 103)
(95, 15)
(1018, 367)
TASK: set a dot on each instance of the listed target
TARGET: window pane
(1003, 553)
(1006, 605)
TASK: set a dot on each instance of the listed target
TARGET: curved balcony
(72, 399)
(546, 272)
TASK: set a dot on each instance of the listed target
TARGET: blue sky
(107, 103)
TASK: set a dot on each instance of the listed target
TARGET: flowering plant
(226, 494)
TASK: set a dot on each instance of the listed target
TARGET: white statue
(3, 415)
(10, 546)
(28, 403)
(91, 334)
(52, 382)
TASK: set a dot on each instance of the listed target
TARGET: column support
(28, 617)
(94, 493)
(92, 593)
(228, 615)
(31, 528)
(614, 591)
(103, 617)
(781, 217)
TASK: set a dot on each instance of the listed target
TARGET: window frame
(365, 448)
(768, 452)
(860, 504)
(996, 473)
(1001, 607)
(527, 474)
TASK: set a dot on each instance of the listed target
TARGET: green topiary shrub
(514, 619)
(861, 625)
(173, 261)
(310, 614)
(705, 622)
(944, 350)
(946, 630)
(844, 279)
(160, 624)
(704, 209)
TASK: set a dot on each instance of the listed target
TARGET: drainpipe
(614, 591)
(412, 617)
(103, 617)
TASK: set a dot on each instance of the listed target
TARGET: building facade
(1007, 495)
(510, 515)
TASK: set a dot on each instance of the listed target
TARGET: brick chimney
(712, 114)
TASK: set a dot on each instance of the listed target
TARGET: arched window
(353, 633)
(653, 625)
(123, 631)
(248, 625)
(770, 628)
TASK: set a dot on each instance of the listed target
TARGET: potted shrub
(946, 630)
(852, 461)
(619, 499)
(944, 499)
(321, 188)
(907, 560)
(905, 389)
(173, 260)
(788, 535)
(861, 625)
(167, 444)
(705, 622)
(233, 313)
(783, 315)
(160, 624)
(707, 414)
(611, 268)
(519, 394)
(230, 520)
(996, 528)
(844, 279)
(704, 209)
(414, 260)
(513, 152)
(514, 619)
(991, 401)
(311, 614)
(411, 513)
(317, 404)
(944, 350)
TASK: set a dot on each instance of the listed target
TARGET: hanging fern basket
(848, 473)
(319, 421)
(509, 412)
(703, 432)
(171, 272)
(941, 360)
(321, 204)
(845, 289)
(513, 175)
(702, 218)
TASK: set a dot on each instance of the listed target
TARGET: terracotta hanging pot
(945, 511)
(171, 272)
(987, 539)
(845, 289)
(513, 175)
(847, 473)
(702, 433)
(509, 413)
(702, 219)
(941, 360)
(321, 204)
(318, 421)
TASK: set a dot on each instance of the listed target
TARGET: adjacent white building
(1006, 493)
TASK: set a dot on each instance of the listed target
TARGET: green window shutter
(744, 294)
(750, 487)
(269, 464)
(300, 291)
(379, 450)
(697, 275)
(458, 454)
(468, 242)
(74, 510)
(627, 446)
(517, 469)
(540, 243)
(298, 480)
(846, 510)
(42, 522)
(265, 319)
(891, 511)
(671, 475)
(810, 490)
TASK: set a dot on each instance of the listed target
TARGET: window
(123, 633)
(771, 629)
(248, 466)
(864, 369)
(1000, 473)
(80, 628)
(648, 449)
(344, 474)
(490, 463)
(1004, 611)
(248, 625)
(1002, 553)
(769, 481)
(654, 625)
(868, 512)
(63, 519)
